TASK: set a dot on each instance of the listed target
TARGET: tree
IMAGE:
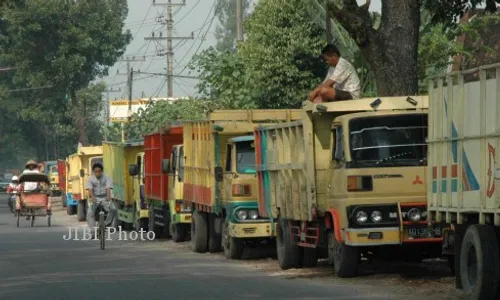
(447, 12)
(392, 48)
(281, 53)
(62, 43)
(225, 32)
(275, 67)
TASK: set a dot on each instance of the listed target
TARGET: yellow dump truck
(219, 184)
(464, 168)
(78, 168)
(348, 180)
(123, 163)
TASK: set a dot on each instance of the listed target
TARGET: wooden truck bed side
(158, 146)
(464, 146)
(73, 175)
(114, 167)
(205, 148)
(285, 171)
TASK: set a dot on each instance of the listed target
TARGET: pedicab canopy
(34, 177)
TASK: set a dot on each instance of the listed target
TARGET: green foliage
(275, 67)
(447, 12)
(225, 32)
(158, 114)
(64, 44)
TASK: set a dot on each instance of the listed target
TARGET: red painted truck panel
(61, 170)
(158, 146)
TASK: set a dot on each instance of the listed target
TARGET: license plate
(187, 218)
(425, 232)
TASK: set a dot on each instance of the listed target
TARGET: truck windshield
(53, 170)
(245, 158)
(388, 141)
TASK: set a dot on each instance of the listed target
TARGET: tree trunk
(79, 120)
(392, 49)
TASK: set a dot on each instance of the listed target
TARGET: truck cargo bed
(464, 136)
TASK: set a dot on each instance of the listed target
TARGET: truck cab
(180, 213)
(242, 223)
(137, 172)
(376, 191)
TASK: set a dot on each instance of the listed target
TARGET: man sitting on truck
(99, 186)
(341, 82)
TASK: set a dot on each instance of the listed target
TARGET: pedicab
(35, 203)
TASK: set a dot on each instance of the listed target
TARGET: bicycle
(101, 214)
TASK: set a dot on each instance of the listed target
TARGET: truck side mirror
(82, 173)
(165, 165)
(219, 174)
(133, 170)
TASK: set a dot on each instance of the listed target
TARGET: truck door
(228, 172)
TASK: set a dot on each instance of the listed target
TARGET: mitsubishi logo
(417, 180)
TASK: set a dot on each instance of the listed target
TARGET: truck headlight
(242, 215)
(376, 216)
(253, 214)
(414, 215)
(361, 217)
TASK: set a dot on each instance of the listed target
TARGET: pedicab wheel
(48, 220)
(32, 221)
(18, 216)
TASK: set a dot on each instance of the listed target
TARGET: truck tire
(151, 222)
(179, 232)
(288, 252)
(80, 211)
(309, 257)
(479, 263)
(215, 233)
(63, 200)
(199, 232)
(345, 258)
(233, 247)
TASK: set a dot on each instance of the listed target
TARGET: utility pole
(239, 21)
(130, 83)
(170, 52)
(107, 112)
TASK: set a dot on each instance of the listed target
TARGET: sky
(196, 16)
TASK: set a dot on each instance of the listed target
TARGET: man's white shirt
(345, 77)
(30, 186)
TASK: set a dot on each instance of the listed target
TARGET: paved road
(38, 263)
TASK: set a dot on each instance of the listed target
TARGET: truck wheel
(70, 210)
(80, 211)
(215, 234)
(233, 247)
(151, 222)
(199, 232)
(309, 257)
(345, 258)
(179, 232)
(63, 200)
(288, 252)
(479, 262)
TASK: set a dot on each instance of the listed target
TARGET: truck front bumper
(251, 230)
(182, 218)
(386, 236)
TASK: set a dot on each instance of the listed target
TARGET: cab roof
(239, 139)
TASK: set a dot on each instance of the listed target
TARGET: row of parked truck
(390, 177)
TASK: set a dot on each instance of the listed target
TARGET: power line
(169, 38)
